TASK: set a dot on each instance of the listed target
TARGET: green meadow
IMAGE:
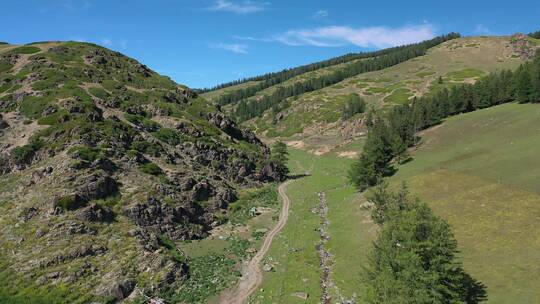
(481, 172)
(293, 253)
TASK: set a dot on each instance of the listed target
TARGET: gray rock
(95, 213)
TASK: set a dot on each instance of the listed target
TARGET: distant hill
(313, 120)
(104, 165)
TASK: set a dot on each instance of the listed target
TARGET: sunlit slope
(481, 172)
(315, 117)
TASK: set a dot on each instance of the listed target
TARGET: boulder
(95, 213)
(3, 123)
(96, 186)
(120, 289)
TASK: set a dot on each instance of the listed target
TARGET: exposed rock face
(162, 219)
(79, 252)
(522, 46)
(122, 289)
(96, 186)
(95, 213)
(228, 126)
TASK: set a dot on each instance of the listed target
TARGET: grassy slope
(212, 94)
(480, 172)
(477, 170)
(296, 260)
(458, 60)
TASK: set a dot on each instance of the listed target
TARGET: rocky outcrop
(177, 223)
(97, 185)
(522, 46)
(95, 213)
(79, 252)
(228, 126)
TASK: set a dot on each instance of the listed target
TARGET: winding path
(252, 275)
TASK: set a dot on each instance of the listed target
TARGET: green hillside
(478, 170)
(313, 120)
(106, 170)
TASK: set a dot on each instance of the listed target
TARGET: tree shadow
(474, 290)
(298, 176)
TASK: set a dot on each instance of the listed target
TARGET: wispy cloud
(106, 42)
(242, 8)
(249, 38)
(367, 37)
(118, 43)
(231, 47)
(320, 14)
(481, 29)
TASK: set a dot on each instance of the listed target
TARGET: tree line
(248, 109)
(274, 78)
(271, 79)
(391, 135)
(535, 35)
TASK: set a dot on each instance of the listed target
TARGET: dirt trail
(252, 273)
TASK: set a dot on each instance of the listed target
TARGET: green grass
(479, 171)
(425, 74)
(465, 74)
(399, 96)
(297, 262)
(25, 50)
(239, 211)
(209, 274)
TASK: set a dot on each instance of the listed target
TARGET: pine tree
(374, 162)
(414, 258)
(535, 79)
(523, 84)
(280, 156)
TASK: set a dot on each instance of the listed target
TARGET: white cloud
(106, 42)
(245, 7)
(232, 47)
(378, 37)
(320, 14)
(481, 29)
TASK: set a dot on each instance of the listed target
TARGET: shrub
(70, 202)
(169, 136)
(24, 154)
(151, 168)
(85, 153)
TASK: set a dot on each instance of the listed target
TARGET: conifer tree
(414, 257)
(280, 156)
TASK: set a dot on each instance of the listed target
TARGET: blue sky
(206, 42)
